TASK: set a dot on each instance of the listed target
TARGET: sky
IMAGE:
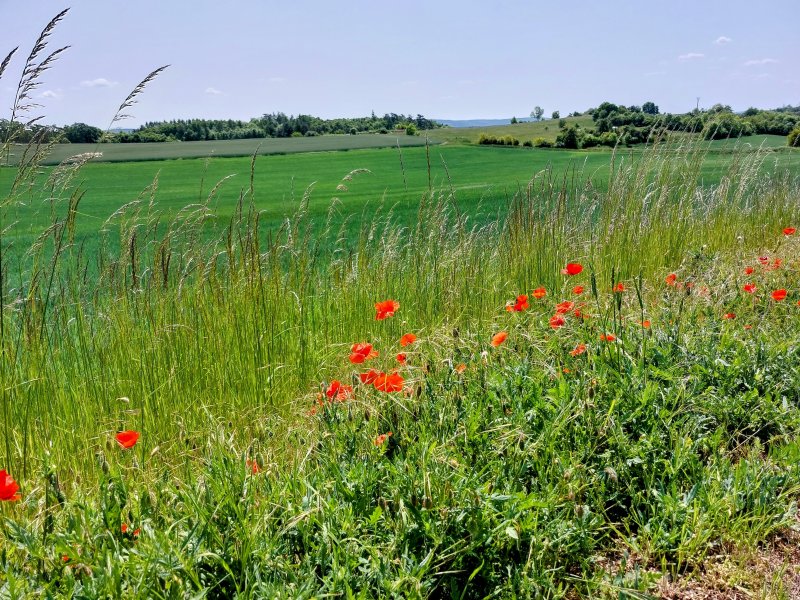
(448, 59)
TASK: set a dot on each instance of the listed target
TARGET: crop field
(247, 147)
(481, 180)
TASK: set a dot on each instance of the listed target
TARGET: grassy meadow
(634, 432)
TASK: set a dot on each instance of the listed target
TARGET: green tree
(568, 138)
(536, 113)
(514, 120)
(81, 133)
(726, 125)
(555, 115)
(650, 108)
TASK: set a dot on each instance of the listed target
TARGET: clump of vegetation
(793, 139)
(490, 140)
(633, 124)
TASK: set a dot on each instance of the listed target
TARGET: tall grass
(179, 325)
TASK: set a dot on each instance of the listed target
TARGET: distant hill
(480, 122)
(469, 132)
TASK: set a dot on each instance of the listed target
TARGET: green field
(248, 147)
(482, 180)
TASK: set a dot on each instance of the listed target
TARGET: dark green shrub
(794, 138)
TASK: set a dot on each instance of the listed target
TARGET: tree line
(275, 125)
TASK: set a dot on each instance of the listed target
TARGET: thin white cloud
(723, 39)
(50, 94)
(99, 82)
(213, 91)
(691, 56)
(760, 61)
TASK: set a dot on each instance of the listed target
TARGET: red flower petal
(127, 439)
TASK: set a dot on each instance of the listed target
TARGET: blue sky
(445, 59)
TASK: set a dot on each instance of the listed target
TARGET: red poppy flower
(749, 287)
(382, 438)
(369, 377)
(338, 391)
(361, 352)
(461, 368)
(124, 528)
(499, 338)
(385, 309)
(572, 269)
(578, 314)
(728, 316)
(128, 439)
(401, 358)
(619, 288)
(557, 321)
(776, 264)
(789, 231)
(748, 270)
(563, 308)
(408, 339)
(608, 337)
(391, 382)
(8, 487)
(763, 259)
(539, 292)
(748, 326)
(779, 295)
(579, 349)
(671, 278)
(578, 289)
(645, 324)
(253, 466)
(521, 304)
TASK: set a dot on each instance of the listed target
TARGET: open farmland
(247, 147)
(479, 180)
